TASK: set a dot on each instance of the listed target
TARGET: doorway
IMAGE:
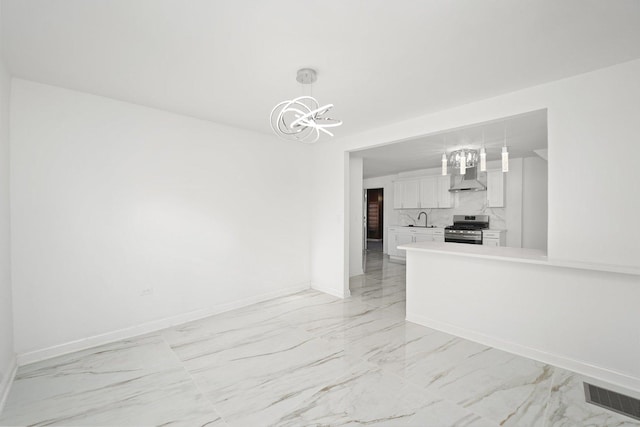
(375, 212)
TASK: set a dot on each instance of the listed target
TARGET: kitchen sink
(420, 226)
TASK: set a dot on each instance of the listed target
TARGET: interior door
(374, 213)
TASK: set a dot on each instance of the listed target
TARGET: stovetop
(469, 222)
(466, 227)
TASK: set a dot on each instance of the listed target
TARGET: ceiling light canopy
(302, 119)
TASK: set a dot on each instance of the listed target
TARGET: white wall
(7, 357)
(330, 231)
(112, 200)
(356, 201)
(554, 314)
(592, 118)
(534, 203)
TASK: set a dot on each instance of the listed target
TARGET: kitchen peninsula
(521, 301)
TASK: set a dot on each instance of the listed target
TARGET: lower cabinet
(422, 238)
(404, 235)
(494, 238)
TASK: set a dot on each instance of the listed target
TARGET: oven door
(472, 239)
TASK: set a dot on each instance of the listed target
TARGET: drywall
(534, 203)
(329, 231)
(356, 201)
(7, 357)
(555, 314)
(124, 216)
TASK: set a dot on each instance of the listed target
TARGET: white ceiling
(522, 134)
(378, 61)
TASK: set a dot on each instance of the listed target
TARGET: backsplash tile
(466, 203)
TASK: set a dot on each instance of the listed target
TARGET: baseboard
(339, 293)
(145, 328)
(607, 376)
(7, 382)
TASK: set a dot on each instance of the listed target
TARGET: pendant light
(463, 162)
(505, 153)
(302, 118)
(444, 156)
(444, 164)
(483, 156)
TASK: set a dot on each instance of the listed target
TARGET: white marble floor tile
(339, 315)
(370, 396)
(256, 383)
(567, 406)
(508, 389)
(131, 382)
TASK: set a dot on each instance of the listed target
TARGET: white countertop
(502, 253)
(422, 227)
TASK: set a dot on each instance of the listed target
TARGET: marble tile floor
(307, 359)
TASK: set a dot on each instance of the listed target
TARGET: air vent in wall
(613, 401)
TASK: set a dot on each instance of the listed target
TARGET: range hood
(469, 182)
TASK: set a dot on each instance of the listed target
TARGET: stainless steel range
(466, 229)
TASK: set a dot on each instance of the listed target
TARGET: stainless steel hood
(469, 182)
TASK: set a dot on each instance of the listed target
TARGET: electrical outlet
(146, 292)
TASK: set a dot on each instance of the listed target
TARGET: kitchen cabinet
(495, 189)
(429, 192)
(406, 194)
(494, 237)
(404, 235)
(422, 238)
(445, 199)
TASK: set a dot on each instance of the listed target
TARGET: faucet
(425, 217)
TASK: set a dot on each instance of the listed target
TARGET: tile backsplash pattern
(465, 203)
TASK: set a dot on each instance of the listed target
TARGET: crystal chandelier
(463, 159)
(302, 119)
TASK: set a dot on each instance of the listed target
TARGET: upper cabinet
(429, 192)
(495, 189)
(425, 193)
(406, 194)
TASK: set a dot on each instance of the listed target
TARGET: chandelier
(460, 159)
(302, 119)
(470, 158)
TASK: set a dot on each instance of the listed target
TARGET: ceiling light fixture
(483, 160)
(463, 159)
(444, 164)
(483, 156)
(302, 119)
(505, 153)
(444, 156)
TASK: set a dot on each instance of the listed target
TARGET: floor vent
(613, 401)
